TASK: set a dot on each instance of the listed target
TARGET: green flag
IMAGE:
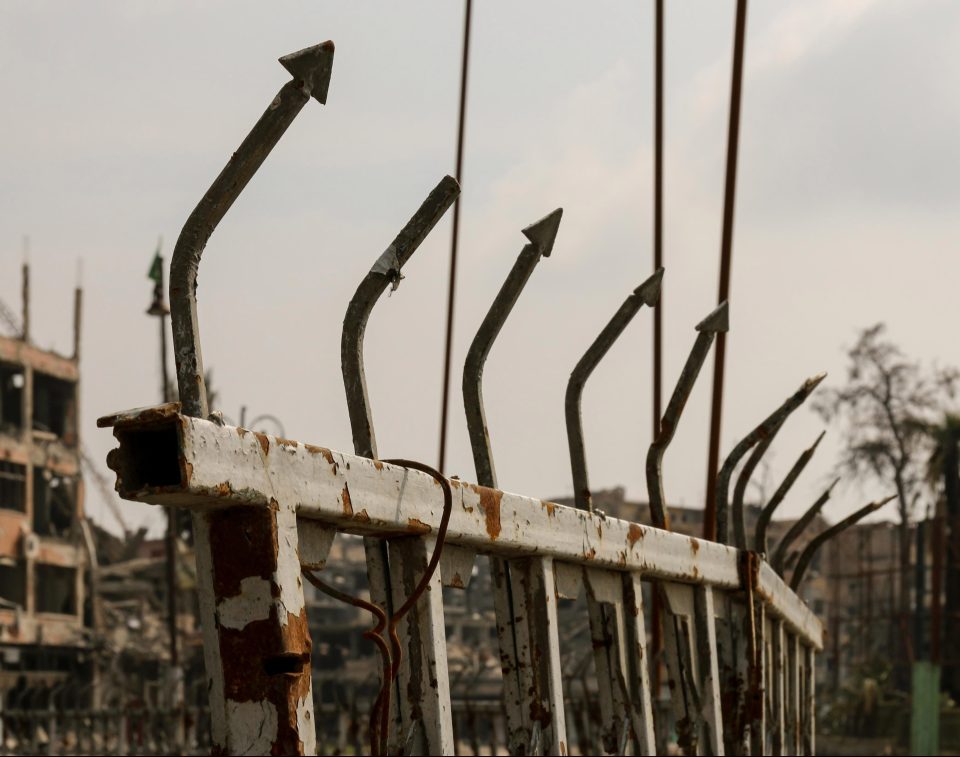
(156, 272)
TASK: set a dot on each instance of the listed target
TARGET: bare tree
(887, 409)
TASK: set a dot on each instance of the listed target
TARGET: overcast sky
(118, 115)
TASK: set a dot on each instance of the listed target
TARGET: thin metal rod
(716, 323)
(711, 518)
(311, 70)
(385, 272)
(773, 421)
(766, 514)
(541, 235)
(656, 640)
(645, 294)
(780, 554)
(817, 541)
(455, 237)
(658, 213)
(170, 541)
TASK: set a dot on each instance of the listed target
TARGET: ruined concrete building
(42, 548)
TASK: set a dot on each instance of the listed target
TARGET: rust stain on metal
(327, 455)
(287, 442)
(551, 509)
(456, 581)
(241, 431)
(378, 465)
(264, 442)
(224, 489)
(694, 545)
(418, 526)
(590, 553)
(362, 516)
(490, 505)
(345, 500)
(634, 534)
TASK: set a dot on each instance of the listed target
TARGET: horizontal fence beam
(169, 459)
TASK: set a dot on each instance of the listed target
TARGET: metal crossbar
(167, 458)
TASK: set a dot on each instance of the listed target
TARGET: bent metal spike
(646, 294)
(780, 554)
(766, 514)
(768, 426)
(522, 694)
(542, 235)
(386, 272)
(824, 536)
(311, 70)
(718, 321)
(279, 642)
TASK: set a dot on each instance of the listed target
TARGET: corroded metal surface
(213, 466)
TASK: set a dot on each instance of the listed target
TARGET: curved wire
(391, 653)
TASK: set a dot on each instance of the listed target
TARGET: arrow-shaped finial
(649, 290)
(718, 320)
(543, 232)
(312, 66)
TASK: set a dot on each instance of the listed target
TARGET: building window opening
(54, 407)
(53, 503)
(11, 398)
(13, 493)
(13, 584)
(56, 589)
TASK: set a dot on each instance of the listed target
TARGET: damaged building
(43, 553)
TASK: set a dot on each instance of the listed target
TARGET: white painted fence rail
(732, 627)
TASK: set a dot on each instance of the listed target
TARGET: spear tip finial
(543, 233)
(718, 320)
(649, 290)
(312, 66)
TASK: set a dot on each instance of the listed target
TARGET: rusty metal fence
(738, 643)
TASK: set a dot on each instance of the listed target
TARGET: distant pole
(730, 185)
(25, 292)
(656, 631)
(455, 238)
(161, 310)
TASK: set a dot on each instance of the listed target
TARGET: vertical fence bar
(424, 707)
(778, 688)
(535, 602)
(605, 609)
(709, 677)
(809, 701)
(641, 709)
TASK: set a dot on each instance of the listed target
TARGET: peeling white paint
(305, 725)
(251, 604)
(288, 575)
(252, 727)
